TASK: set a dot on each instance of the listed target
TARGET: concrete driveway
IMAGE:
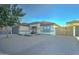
(39, 45)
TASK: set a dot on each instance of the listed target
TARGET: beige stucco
(73, 24)
(36, 25)
(23, 28)
(55, 26)
(68, 30)
(39, 28)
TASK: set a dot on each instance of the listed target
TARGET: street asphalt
(39, 45)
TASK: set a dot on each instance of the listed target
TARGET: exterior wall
(66, 31)
(55, 31)
(14, 30)
(10, 30)
(37, 26)
(59, 31)
(40, 29)
(2, 30)
(69, 31)
(75, 28)
(23, 29)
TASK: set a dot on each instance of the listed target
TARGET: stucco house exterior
(4, 30)
(71, 29)
(74, 26)
(43, 27)
(20, 29)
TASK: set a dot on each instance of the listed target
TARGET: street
(39, 45)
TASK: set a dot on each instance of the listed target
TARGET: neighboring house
(23, 28)
(71, 29)
(43, 27)
(73, 26)
(4, 30)
(20, 29)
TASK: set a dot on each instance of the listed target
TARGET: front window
(46, 28)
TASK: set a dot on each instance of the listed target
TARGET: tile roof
(74, 21)
(43, 23)
(24, 24)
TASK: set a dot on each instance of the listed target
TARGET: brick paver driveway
(39, 45)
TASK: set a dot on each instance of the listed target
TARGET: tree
(10, 15)
(15, 15)
(4, 12)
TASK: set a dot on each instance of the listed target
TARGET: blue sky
(57, 13)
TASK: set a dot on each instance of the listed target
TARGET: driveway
(39, 45)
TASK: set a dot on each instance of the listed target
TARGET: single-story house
(20, 29)
(17, 29)
(73, 26)
(71, 29)
(4, 30)
(43, 27)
